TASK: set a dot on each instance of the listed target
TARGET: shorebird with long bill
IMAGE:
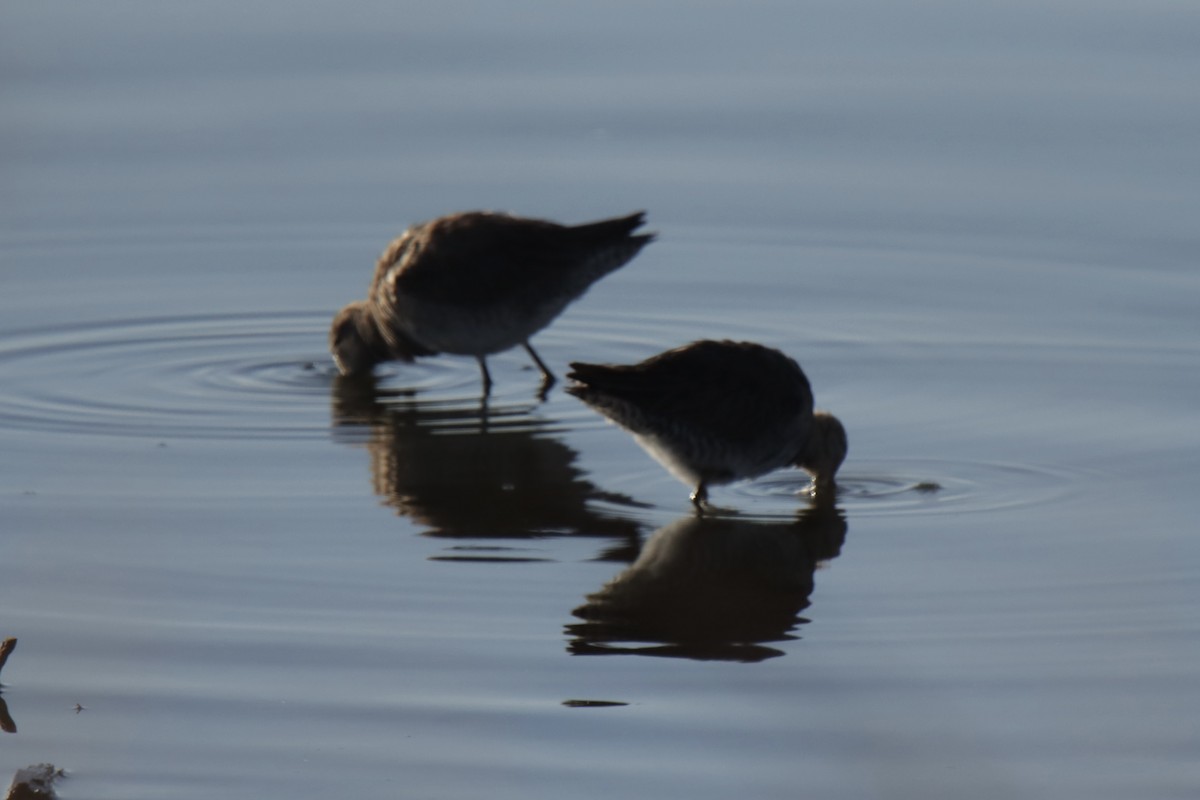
(713, 412)
(477, 283)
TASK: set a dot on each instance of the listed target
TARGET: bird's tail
(607, 245)
(614, 229)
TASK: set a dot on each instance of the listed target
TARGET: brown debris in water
(35, 782)
(7, 724)
(6, 647)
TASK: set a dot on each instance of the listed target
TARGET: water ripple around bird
(268, 376)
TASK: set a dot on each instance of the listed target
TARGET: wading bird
(477, 283)
(716, 412)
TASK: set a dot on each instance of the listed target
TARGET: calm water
(974, 226)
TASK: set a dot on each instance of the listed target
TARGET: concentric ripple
(258, 375)
(875, 488)
(928, 486)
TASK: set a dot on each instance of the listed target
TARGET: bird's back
(479, 258)
(726, 391)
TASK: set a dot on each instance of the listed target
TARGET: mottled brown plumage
(477, 283)
(715, 412)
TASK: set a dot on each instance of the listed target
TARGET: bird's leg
(487, 376)
(547, 376)
(700, 497)
(483, 414)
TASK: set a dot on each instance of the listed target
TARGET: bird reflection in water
(712, 588)
(474, 472)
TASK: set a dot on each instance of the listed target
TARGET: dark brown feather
(479, 257)
(731, 390)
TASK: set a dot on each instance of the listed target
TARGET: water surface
(974, 227)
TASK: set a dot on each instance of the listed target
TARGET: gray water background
(974, 225)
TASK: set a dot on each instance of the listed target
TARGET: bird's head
(355, 341)
(824, 451)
